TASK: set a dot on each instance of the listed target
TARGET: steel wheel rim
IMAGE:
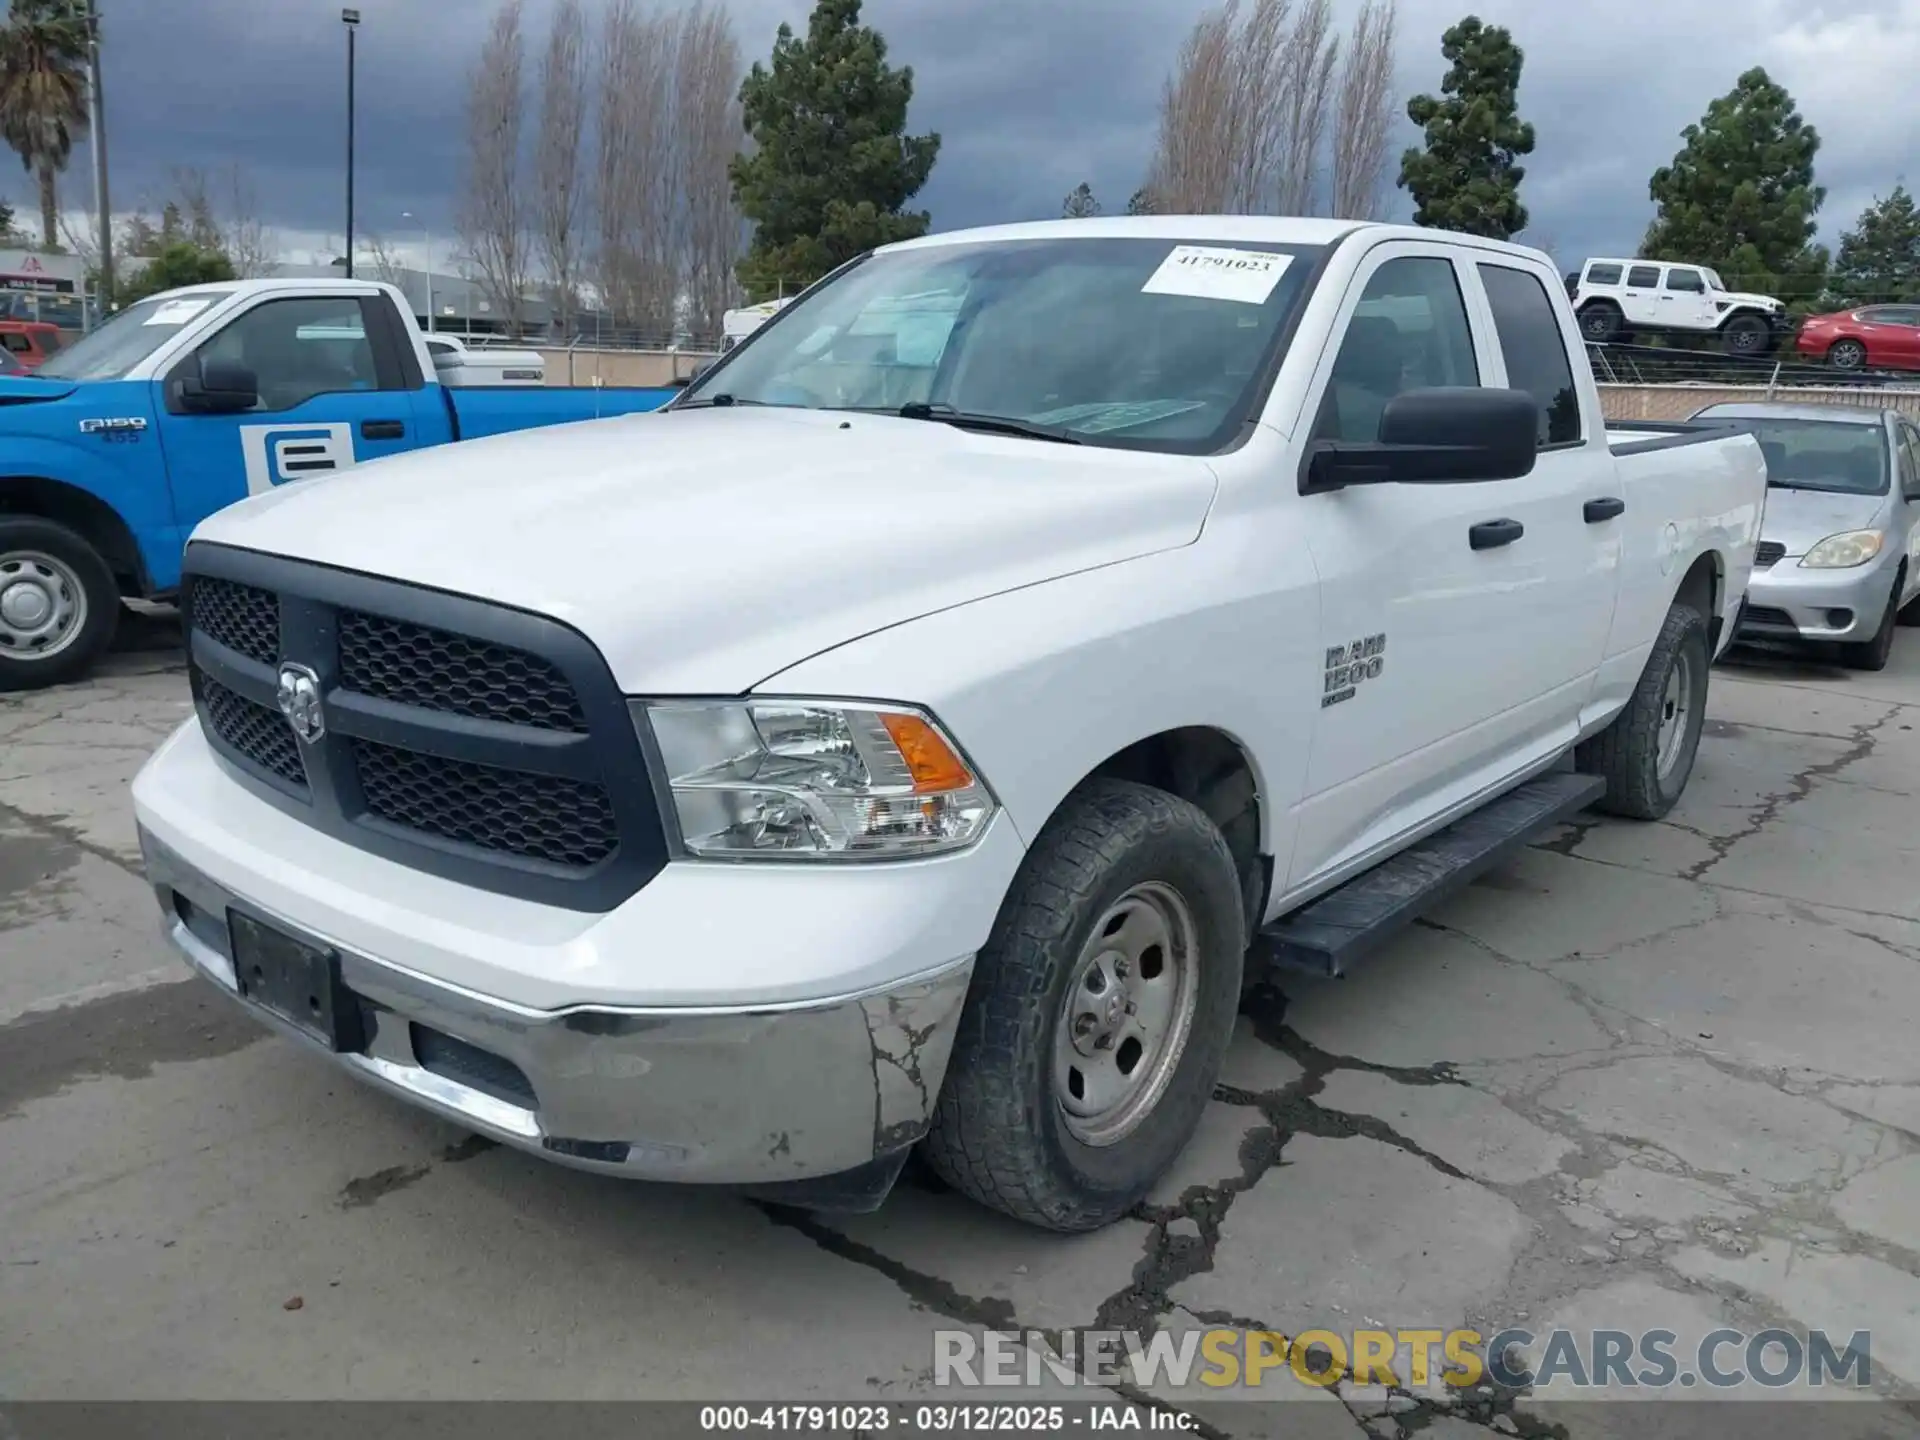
(1676, 709)
(1127, 1014)
(43, 605)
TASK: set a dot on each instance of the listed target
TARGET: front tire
(59, 604)
(1745, 335)
(1100, 1010)
(1646, 755)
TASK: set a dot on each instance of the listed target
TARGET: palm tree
(43, 93)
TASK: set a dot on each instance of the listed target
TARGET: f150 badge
(121, 428)
(1348, 666)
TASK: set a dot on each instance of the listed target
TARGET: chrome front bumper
(778, 1096)
(1785, 602)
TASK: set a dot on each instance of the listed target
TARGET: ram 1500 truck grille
(459, 737)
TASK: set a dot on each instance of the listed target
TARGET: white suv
(1619, 299)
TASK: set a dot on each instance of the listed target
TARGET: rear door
(335, 390)
(1640, 295)
(1570, 504)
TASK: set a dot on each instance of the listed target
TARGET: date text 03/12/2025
(944, 1419)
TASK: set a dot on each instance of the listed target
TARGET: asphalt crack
(1799, 786)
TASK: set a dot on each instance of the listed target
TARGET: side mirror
(218, 387)
(1451, 435)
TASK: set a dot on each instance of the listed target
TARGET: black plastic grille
(256, 732)
(1767, 615)
(543, 817)
(473, 1067)
(1768, 553)
(240, 617)
(413, 665)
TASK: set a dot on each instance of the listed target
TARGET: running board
(1327, 935)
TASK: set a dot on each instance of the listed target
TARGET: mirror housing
(1446, 435)
(217, 387)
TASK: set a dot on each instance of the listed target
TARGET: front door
(1684, 302)
(330, 397)
(1436, 679)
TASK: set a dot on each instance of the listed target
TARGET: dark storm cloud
(1030, 98)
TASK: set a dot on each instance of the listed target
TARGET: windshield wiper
(992, 424)
(719, 402)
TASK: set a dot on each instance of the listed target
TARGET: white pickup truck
(919, 734)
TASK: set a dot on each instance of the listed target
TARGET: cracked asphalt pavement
(1644, 1076)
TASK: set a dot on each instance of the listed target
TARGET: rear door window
(1643, 277)
(1535, 351)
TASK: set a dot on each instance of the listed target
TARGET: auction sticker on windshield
(177, 312)
(1208, 272)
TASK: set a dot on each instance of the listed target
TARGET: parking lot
(1645, 1077)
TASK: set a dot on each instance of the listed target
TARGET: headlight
(806, 780)
(1843, 552)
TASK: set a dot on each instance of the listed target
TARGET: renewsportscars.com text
(1513, 1359)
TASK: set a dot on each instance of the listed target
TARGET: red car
(1875, 337)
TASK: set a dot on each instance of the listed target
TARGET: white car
(1619, 300)
(805, 773)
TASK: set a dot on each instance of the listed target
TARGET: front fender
(124, 470)
(1042, 685)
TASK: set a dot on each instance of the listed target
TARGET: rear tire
(1847, 355)
(1646, 755)
(59, 605)
(1745, 335)
(1600, 322)
(1011, 1129)
(1874, 654)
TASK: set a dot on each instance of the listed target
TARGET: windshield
(129, 337)
(1822, 455)
(1714, 281)
(1147, 344)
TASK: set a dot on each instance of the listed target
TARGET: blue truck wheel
(58, 604)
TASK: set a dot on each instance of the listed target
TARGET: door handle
(383, 429)
(1492, 534)
(1603, 509)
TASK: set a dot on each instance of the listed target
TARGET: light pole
(427, 235)
(351, 19)
(97, 126)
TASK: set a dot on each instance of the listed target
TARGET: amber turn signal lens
(930, 759)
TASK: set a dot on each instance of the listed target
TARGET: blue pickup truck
(189, 401)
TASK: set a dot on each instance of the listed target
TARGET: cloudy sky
(1030, 96)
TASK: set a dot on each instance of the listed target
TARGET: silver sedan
(1839, 554)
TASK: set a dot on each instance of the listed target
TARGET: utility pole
(351, 19)
(97, 125)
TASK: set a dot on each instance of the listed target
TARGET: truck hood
(1801, 519)
(24, 389)
(1747, 297)
(706, 550)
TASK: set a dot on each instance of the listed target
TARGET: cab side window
(1408, 332)
(300, 348)
(1535, 350)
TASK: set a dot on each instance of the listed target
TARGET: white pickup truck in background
(921, 731)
